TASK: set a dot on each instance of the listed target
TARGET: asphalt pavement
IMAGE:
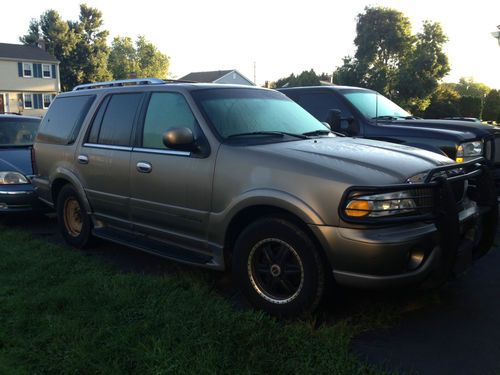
(456, 332)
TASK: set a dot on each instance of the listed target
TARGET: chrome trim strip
(161, 152)
(107, 147)
(20, 192)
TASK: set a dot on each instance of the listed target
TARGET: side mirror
(334, 118)
(180, 139)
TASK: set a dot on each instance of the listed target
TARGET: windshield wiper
(322, 132)
(270, 133)
(389, 117)
(385, 117)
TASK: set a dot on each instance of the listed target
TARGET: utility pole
(254, 72)
(496, 34)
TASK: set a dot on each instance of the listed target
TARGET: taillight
(33, 161)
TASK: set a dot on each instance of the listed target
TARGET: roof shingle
(22, 52)
(206, 77)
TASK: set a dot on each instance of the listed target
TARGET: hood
(474, 129)
(16, 159)
(356, 160)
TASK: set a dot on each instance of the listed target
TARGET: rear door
(104, 158)
(170, 190)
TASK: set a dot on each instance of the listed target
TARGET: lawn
(63, 312)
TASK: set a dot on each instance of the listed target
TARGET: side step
(154, 247)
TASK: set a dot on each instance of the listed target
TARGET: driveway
(455, 330)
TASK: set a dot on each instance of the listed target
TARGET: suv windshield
(253, 112)
(18, 131)
(373, 105)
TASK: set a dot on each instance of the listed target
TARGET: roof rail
(119, 82)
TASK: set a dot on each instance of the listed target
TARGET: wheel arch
(251, 213)
(63, 177)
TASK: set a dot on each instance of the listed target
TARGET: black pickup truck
(359, 112)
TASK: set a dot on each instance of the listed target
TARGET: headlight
(378, 205)
(10, 178)
(469, 150)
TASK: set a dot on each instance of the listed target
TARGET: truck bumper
(375, 257)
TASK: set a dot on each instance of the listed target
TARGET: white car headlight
(468, 151)
(379, 205)
(12, 178)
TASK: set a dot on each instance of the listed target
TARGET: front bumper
(409, 253)
(19, 198)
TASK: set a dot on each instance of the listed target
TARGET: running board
(154, 247)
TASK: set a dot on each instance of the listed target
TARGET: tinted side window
(64, 119)
(318, 104)
(96, 122)
(166, 110)
(118, 120)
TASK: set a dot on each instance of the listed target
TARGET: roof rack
(119, 82)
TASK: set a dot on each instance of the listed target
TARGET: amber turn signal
(358, 208)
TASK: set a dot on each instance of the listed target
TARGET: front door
(170, 190)
(2, 104)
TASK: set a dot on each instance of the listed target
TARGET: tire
(278, 268)
(74, 223)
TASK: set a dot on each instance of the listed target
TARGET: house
(219, 76)
(29, 79)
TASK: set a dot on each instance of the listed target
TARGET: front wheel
(74, 223)
(278, 268)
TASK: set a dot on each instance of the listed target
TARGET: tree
(306, 78)
(142, 60)
(91, 51)
(491, 108)
(470, 106)
(79, 46)
(59, 39)
(443, 103)
(466, 86)
(389, 59)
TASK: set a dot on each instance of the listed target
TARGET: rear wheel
(278, 268)
(74, 223)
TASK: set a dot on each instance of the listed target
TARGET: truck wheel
(278, 268)
(74, 223)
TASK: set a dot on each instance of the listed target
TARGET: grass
(63, 312)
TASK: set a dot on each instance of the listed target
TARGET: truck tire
(74, 223)
(278, 268)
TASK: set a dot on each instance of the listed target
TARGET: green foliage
(62, 312)
(491, 108)
(142, 60)
(470, 106)
(443, 103)
(91, 52)
(389, 59)
(60, 41)
(306, 78)
(466, 86)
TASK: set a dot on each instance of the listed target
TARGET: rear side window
(115, 120)
(64, 119)
(166, 110)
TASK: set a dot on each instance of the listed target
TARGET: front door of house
(2, 107)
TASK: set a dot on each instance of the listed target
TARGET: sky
(274, 36)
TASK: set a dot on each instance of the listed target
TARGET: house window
(28, 101)
(46, 71)
(27, 70)
(47, 98)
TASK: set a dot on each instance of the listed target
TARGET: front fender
(220, 221)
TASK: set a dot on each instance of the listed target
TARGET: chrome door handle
(83, 159)
(144, 167)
